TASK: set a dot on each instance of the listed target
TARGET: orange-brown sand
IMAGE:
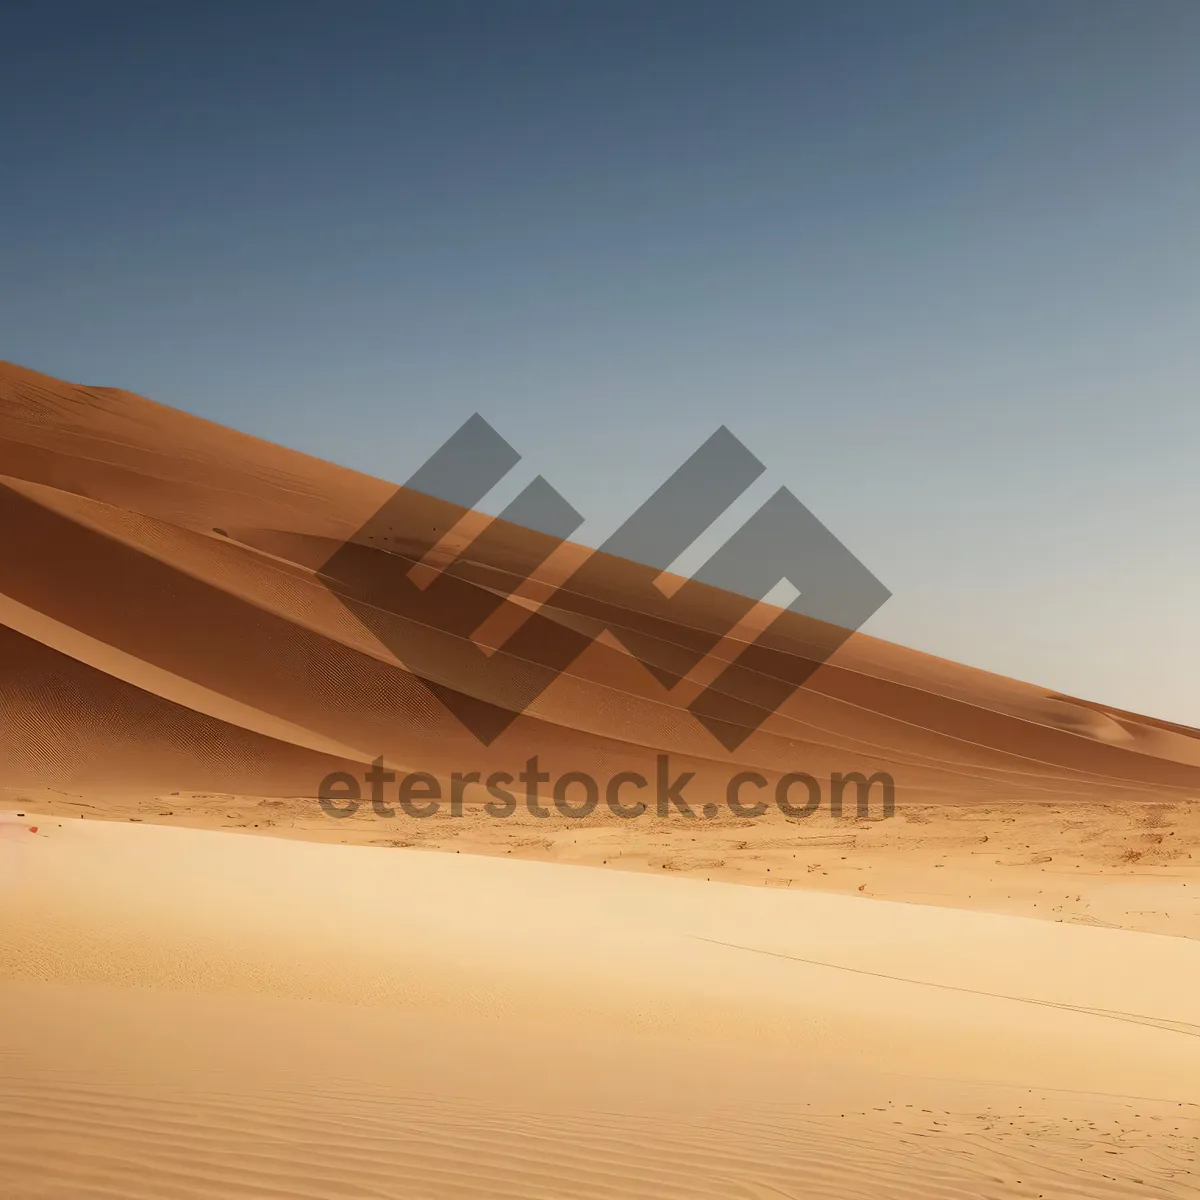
(990, 993)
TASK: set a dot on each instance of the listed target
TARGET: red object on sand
(33, 829)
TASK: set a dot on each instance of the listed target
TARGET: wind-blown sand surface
(338, 1021)
(992, 993)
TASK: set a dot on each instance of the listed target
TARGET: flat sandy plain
(209, 988)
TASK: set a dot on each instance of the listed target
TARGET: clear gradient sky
(938, 264)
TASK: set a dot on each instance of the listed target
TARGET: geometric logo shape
(428, 623)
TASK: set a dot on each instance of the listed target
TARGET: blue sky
(937, 264)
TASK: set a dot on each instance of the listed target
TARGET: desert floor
(1126, 865)
(191, 1012)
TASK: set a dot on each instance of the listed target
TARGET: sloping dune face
(172, 621)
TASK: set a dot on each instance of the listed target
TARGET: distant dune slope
(164, 626)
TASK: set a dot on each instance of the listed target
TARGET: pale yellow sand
(1120, 865)
(190, 1013)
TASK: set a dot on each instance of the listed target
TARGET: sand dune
(198, 627)
(102, 486)
(172, 652)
